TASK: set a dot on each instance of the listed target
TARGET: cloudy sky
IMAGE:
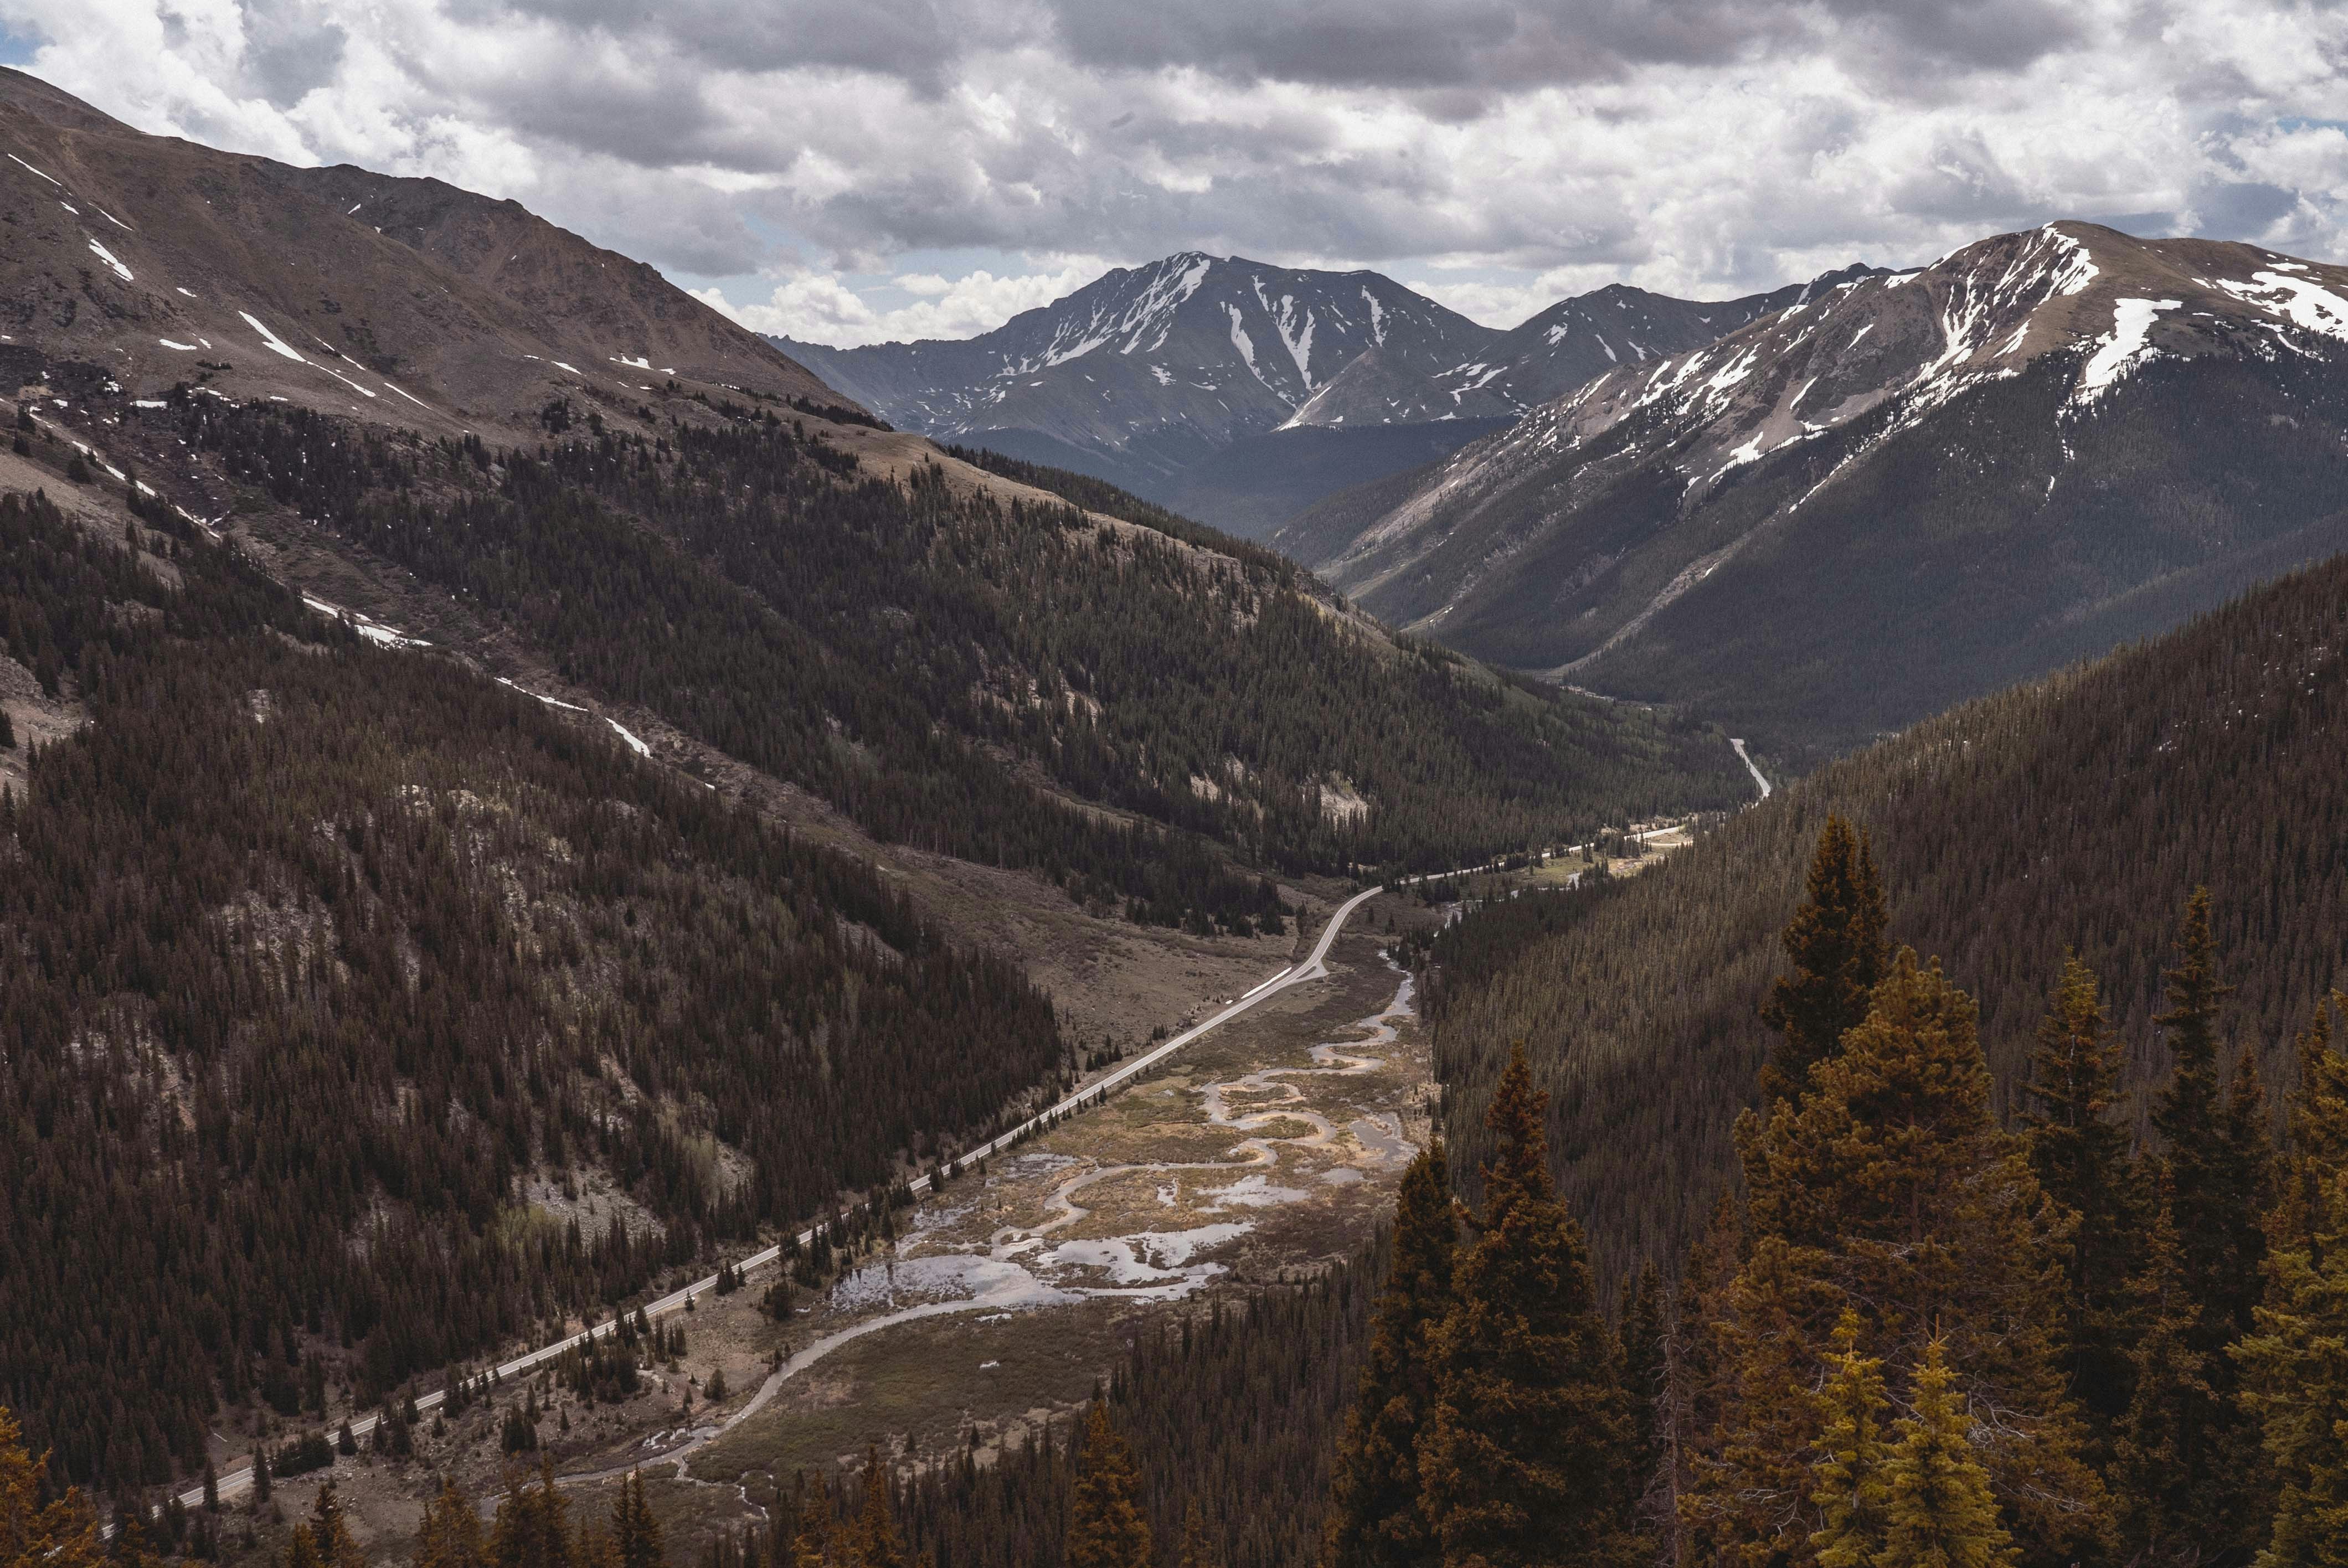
(862, 170)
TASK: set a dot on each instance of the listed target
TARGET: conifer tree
(2079, 1152)
(1528, 1457)
(2319, 1136)
(1198, 1552)
(451, 1533)
(2213, 1226)
(301, 1550)
(128, 1547)
(2216, 1176)
(873, 1542)
(58, 1534)
(532, 1529)
(2246, 1182)
(1375, 1517)
(1850, 1495)
(2171, 1492)
(331, 1532)
(1938, 1508)
(1891, 1188)
(592, 1546)
(1106, 1525)
(2295, 1364)
(1705, 1357)
(1838, 945)
(1644, 1361)
(635, 1531)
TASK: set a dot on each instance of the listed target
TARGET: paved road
(1311, 968)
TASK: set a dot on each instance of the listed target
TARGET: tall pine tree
(2079, 1151)
(330, 1530)
(2215, 1172)
(1890, 1190)
(1938, 1509)
(1527, 1457)
(1106, 1528)
(451, 1534)
(1375, 1517)
(1705, 1355)
(532, 1530)
(2295, 1363)
(1836, 941)
(2176, 1450)
(2218, 1221)
(635, 1531)
(873, 1541)
(1850, 1473)
(1646, 1378)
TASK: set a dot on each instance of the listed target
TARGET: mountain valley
(1239, 923)
(614, 795)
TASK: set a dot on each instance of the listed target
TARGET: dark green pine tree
(2189, 1115)
(2246, 1182)
(2295, 1376)
(1836, 941)
(2079, 1151)
(1645, 1360)
(2172, 1451)
(1375, 1517)
(635, 1529)
(1527, 1457)
(2217, 1176)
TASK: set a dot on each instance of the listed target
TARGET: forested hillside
(2071, 815)
(1914, 1334)
(924, 656)
(335, 969)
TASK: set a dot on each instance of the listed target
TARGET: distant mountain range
(1184, 380)
(1902, 492)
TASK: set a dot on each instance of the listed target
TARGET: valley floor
(1270, 1146)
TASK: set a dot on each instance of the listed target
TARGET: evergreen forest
(958, 673)
(2067, 817)
(322, 955)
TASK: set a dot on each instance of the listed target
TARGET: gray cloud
(1682, 144)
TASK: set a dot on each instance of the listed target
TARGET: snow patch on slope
(270, 340)
(2125, 347)
(106, 256)
(2303, 302)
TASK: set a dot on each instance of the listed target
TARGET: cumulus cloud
(1500, 151)
(818, 308)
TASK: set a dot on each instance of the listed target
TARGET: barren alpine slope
(1910, 490)
(397, 301)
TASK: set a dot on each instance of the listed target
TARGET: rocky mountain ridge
(1148, 372)
(2125, 414)
(403, 301)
